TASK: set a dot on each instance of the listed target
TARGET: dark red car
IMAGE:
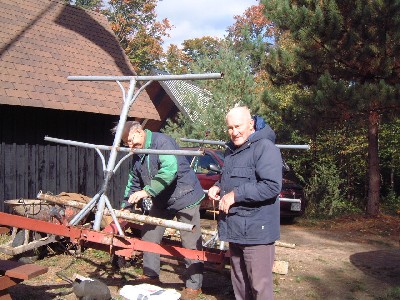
(208, 170)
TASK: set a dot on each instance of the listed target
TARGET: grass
(307, 278)
(391, 294)
(357, 286)
(4, 238)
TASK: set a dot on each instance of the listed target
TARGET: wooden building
(41, 43)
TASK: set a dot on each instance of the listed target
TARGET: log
(121, 214)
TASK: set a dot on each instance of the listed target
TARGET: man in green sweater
(175, 192)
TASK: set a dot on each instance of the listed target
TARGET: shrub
(325, 192)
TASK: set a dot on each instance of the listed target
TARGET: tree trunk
(373, 165)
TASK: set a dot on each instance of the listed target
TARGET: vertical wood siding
(28, 164)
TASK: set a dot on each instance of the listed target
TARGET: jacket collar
(149, 135)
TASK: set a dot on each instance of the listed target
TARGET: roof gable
(44, 41)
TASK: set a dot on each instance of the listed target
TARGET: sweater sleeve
(133, 185)
(166, 174)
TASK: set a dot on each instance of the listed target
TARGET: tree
(178, 60)
(140, 35)
(95, 5)
(208, 115)
(253, 33)
(390, 152)
(198, 48)
(345, 57)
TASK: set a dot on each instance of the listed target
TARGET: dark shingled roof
(44, 41)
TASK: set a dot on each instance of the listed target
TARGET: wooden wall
(28, 164)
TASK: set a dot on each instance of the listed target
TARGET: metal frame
(129, 97)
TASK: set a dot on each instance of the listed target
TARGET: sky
(198, 18)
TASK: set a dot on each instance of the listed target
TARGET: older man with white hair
(248, 202)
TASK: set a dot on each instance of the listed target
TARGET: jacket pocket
(242, 172)
(236, 227)
(257, 230)
(238, 176)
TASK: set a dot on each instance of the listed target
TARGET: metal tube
(211, 142)
(114, 217)
(123, 215)
(146, 78)
(125, 149)
(289, 200)
(301, 147)
(130, 97)
(222, 143)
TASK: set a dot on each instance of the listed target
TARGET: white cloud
(198, 18)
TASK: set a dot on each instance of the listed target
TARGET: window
(203, 163)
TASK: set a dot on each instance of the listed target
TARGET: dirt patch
(347, 258)
(350, 258)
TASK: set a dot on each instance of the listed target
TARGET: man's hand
(226, 202)
(213, 193)
(136, 196)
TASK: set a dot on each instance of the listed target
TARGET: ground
(347, 258)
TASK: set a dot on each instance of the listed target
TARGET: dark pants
(251, 271)
(190, 240)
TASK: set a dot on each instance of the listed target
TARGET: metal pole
(223, 144)
(130, 97)
(125, 149)
(147, 78)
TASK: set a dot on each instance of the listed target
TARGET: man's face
(240, 127)
(136, 139)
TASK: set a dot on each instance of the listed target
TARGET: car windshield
(220, 154)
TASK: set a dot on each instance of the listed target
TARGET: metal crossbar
(224, 144)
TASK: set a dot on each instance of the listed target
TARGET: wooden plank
(27, 271)
(21, 271)
(32, 171)
(2, 175)
(62, 168)
(71, 173)
(9, 172)
(51, 161)
(4, 295)
(90, 172)
(41, 168)
(6, 282)
(280, 267)
(20, 175)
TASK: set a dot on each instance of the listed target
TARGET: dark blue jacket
(183, 191)
(254, 172)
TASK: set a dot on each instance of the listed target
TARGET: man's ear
(252, 123)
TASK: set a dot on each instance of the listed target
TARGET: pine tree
(345, 56)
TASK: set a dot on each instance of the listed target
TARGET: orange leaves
(134, 22)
